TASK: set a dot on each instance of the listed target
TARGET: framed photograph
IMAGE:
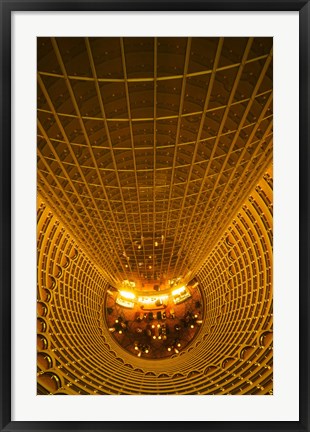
(154, 215)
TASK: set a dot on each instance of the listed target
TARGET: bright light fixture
(178, 290)
(146, 300)
(127, 294)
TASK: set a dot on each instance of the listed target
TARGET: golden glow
(178, 291)
(125, 303)
(152, 299)
(127, 295)
(231, 216)
(146, 300)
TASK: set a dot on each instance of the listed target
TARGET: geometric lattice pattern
(154, 163)
(147, 146)
(232, 353)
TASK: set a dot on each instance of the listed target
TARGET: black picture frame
(7, 7)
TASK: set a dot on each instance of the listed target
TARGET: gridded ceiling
(148, 146)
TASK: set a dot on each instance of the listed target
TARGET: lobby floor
(155, 333)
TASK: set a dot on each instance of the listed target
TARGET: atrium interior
(154, 216)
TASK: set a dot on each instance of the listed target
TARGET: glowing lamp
(178, 290)
(127, 295)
